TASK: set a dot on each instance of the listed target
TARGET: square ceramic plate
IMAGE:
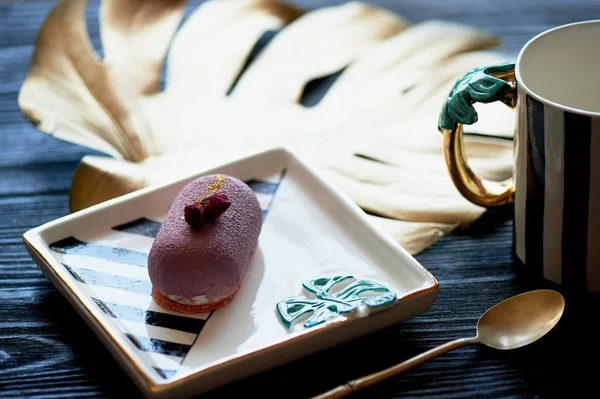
(97, 259)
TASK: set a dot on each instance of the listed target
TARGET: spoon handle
(371, 379)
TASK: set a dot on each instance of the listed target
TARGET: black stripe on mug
(593, 247)
(578, 130)
(534, 222)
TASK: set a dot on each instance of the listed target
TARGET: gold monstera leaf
(373, 134)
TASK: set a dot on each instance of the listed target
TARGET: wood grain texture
(46, 351)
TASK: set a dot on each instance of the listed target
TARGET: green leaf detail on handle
(327, 306)
(477, 85)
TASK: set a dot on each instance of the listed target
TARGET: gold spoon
(510, 324)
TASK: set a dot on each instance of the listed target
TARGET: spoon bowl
(520, 320)
(510, 324)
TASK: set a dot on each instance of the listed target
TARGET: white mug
(555, 188)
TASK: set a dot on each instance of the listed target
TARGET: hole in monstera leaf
(368, 158)
(188, 9)
(408, 89)
(340, 285)
(256, 50)
(316, 89)
(368, 294)
(373, 213)
(295, 308)
(321, 281)
(92, 23)
(302, 318)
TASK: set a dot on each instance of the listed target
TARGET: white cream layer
(196, 300)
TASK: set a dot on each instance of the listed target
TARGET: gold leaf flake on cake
(215, 186)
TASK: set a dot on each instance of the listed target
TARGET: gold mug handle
(484, 85)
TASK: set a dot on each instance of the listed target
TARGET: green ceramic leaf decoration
(476, 85)
(327, 306)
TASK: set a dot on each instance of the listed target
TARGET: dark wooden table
(46, 351)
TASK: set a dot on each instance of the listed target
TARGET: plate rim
(136, 369)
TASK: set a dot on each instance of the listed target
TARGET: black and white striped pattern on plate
(557, 199)
(112, 270)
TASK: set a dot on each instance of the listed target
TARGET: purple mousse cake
(202, 249)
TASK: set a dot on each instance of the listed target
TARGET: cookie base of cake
(167, 303)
